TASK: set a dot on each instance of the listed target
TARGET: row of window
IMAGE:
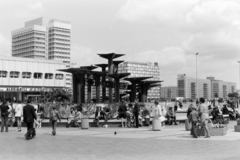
(27, 44)
(28, 48)
(28, 39)
(58, 39)
(59, 35)
(28, 53)
(36, 75)
(64, 53)
(60, 44)
(60, 48)
(58, 57)
(59, 30)
(29, 34)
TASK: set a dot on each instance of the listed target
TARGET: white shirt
(10, 111)
(157, 111)
(19, 110)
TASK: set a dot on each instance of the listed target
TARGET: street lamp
(239, 72)
(239, 84)
(196, 79)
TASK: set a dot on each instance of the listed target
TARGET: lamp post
(239, 72)
(196, 79)
(239, 84)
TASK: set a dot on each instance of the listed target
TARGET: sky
(169, 32)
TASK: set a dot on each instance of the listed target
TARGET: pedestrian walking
(18, 115)
(29, 115)
(54, 116)
(194, 118)
(4, 115)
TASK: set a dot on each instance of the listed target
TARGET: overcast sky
(169, 32)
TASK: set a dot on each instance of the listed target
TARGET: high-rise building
(141, 69)
(207, 88)
(44, 38)
(221, 88)
(169, 92)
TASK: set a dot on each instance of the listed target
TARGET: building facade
(141, 69)
(169, 92)
(206, 88)
(44, 38)
(23, 77)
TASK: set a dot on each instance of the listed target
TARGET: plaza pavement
(171, 143)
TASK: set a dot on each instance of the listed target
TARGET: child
(39, 119)
(129, 115)
(37, 123)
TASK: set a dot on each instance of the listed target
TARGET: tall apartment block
(141, 69)
(206, 88)
(44, 38)
(169, 92)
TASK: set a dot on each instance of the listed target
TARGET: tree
(58, 95)
(233, 95)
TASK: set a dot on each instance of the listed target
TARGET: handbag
(162, 118)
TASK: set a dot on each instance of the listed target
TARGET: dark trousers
(171, 119)
(194, 131)
(29, 126)
(136, 119)
(30, 130)
(54, 126)
(4, 123)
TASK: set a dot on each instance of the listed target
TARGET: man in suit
(28, 117)
(136, 110)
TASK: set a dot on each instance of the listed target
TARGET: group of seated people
(101, 114)
(74, 117)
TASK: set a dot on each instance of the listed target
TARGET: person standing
(4, 115)
(122, 113)
(136, 110)
(54, 116)
(18, 115)
(204, 113)
(29, 116)
(193, 118)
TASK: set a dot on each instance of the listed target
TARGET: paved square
(172, 143)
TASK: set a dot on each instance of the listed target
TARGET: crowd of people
(199, 114)
(131, 114)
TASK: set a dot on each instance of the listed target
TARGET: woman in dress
(204, 114)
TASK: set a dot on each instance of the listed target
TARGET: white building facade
(169, 92)
(206, 88)
(44, 38)
(23, 78)
(143, 69)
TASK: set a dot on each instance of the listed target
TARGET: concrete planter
(188, 125)
(237, 128)
(213, 131)
(156, 125)
(85, 122)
